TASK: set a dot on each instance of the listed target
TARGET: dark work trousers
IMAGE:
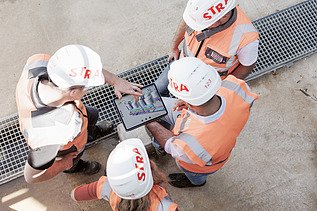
(79, 164)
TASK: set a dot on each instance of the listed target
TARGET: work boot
(91, 168)
(177, 176)
(182, 181)
(102, 129)
(85, 167)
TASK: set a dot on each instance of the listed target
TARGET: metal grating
(101, 97)
(13, 150)
(292, 38)
(285, 37)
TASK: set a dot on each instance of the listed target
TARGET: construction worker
(213, 115)
(53, 120)
(218, 33)
(132, 181)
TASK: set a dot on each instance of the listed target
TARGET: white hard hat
(193, 81)
(75, 65)
(129, 171)
(200, 14)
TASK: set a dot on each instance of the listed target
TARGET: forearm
(242, 72)
(85, 192)
(179, 34)
(160, 133)
(110, 78)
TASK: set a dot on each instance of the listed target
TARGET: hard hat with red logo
(200, 14)
(193, 81)
(129, 171)
(75, 65)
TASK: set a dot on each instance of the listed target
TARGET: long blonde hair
(144, 203)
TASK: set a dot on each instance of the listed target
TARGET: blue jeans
(167, 121)
(162, 82)
(195, 178)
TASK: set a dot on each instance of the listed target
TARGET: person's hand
(173, 55)
(180, 105)
(67, 161)
(123, 86)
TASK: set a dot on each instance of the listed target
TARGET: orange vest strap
(181, 125)
(38, 57)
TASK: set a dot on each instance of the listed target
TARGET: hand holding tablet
(148, 108)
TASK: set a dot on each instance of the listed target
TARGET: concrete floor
(274, 165)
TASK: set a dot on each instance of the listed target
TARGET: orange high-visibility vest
(157, 197)
(209, 146)
(220, 50)
(28, 108)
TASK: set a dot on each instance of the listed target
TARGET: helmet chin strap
(209, 32)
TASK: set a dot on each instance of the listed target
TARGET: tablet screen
(149, 107)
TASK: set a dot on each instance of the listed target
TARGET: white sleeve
(249, 53)
(106, 190)
(175, 151)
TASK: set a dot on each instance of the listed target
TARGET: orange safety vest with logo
(208, 146)
(220, 50)
(157, 196)
(38, 119)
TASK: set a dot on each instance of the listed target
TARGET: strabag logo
(178, 87)
(139, 164)
(215, 9)
(83, 72)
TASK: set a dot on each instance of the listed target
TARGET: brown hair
(143, 203)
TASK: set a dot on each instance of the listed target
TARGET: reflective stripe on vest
(239, 91)
(186, 115)
(226, 43)
(239, 31)
(39, 122)
(215, 140)
(200, 154)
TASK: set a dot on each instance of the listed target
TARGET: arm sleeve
(249, 53)
(85, 192)
(168, 204)
(104, 189)
(30, 173)
(96, 190)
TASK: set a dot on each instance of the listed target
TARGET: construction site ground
(272, 167)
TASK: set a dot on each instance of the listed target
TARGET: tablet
(149, 107)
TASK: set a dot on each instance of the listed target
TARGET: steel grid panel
(285, 37)
(292, 37)
(13, 149)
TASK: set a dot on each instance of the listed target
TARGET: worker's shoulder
(38, 57)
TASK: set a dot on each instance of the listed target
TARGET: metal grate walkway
(286, 36)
